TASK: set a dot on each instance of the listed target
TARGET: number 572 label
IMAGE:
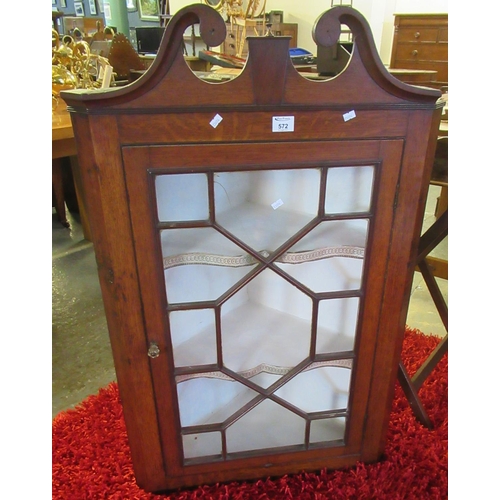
(283, 123)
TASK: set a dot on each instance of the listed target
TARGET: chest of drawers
(421, 42)
(235, 32)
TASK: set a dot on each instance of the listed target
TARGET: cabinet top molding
(268, 80)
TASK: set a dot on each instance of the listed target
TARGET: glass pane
(202, 444)
(193, 337)
(349, 189)
(319, 389)
(205, 400)
(201, 264)
(268, 425)
(265, 378)
(337, 322)
(330, 257)
(182, 197)
(266, 327)
(265, 208)
(328, 429)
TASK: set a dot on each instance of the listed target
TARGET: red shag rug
(91, 456)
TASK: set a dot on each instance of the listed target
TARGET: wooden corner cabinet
(421, 43)
(255, 242)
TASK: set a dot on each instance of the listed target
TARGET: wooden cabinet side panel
(413, 182)
(105, 195)
(376, 269)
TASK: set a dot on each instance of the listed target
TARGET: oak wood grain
(161, 124)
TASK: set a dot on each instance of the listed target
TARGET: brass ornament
(74, 66)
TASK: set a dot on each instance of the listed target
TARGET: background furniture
(164, 12)
(424, 77)
(235, 35)
(411, 385)
(244, 239)
(87, 25)
(253, 17)
(123, 57)
(64, 158)
(421, 42)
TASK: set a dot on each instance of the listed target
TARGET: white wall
(379, 13)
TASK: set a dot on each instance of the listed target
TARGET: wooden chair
(58, 191)
(164, 12)
(64, 196)
(102, 34)
(431, 268)
(254, 16)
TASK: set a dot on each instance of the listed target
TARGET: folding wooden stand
(411, 385)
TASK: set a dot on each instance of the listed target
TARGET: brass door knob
(154, 350)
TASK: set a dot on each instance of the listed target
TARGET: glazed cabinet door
(261, 273)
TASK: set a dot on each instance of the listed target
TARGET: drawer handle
(417, 34)
(414, 52)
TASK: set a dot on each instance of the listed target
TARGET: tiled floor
(422, 313)
(81, 353)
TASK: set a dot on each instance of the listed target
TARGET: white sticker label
(349, 116)
(277, 204)
(216, 120)
(283, 123)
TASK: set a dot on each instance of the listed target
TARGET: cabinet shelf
(210, 406)
(267, 425)
(210, 401)
(248, 347)
(261, 228)
(327, 259)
